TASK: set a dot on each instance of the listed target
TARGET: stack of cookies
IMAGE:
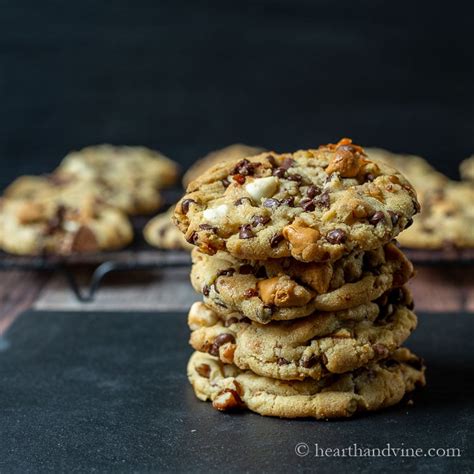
(304, 306)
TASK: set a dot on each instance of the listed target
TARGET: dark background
(187, 77)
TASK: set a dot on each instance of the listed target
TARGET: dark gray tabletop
(108, 392)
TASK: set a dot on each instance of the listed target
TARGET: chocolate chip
(185, 205)
(279, 172)
(246, 232)
(250, 293)
(287, 163)
(313, 191)
(271, 202)
(207, 227)
(246, 269)
(396, 295)
(226, 272)
(294, 177)
(394, 217)
(323, 200)
(272, 161)
(261, 272)
(259, 220)
(307, 205)
(376, 217)
(56, 221)
(369, 177)
(309, 362)
(275, 240)
(244, 168)
(225, 182)
(204, 370)
(192, 238)
(417, 206)
(282, 361)
(289, 201)
(239, 178)
(230, 321)
(219, 341)
(206, 289)
(336, 236)
(241, 200)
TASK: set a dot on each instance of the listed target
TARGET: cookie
(234, 152)
(371, 388)
(315, 205)
(315, 346)
(466, 169)
(162, 233)
(115, 163)
(415, 168)
(128, 178)
(128, 196)
(283, 289)
(58, 226)
(447, 219)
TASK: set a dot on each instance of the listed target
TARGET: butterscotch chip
(283, 289)
(376, 386)
(280, 205)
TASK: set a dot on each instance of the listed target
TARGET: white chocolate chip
(262, 187)
(216, 214)
(71, 226)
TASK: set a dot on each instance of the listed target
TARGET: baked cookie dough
(447, 219)
(415, 168)
(466, 169)
(371, 388)
(234, 152)
(314, 205)
(283, 289)
(315, 346)
(57, 226)
(161, 232)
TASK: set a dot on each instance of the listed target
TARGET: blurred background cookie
(236, 151)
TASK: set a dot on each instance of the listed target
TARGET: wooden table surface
(448, 288)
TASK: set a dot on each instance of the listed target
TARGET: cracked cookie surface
(374, 387)
(314, 205)
(316, 346)
(283, 289)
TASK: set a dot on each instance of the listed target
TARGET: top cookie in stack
(314, 205)
(304, 306)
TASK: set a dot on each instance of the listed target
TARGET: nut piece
(227, 400)
(346, 162)
(283, 292)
